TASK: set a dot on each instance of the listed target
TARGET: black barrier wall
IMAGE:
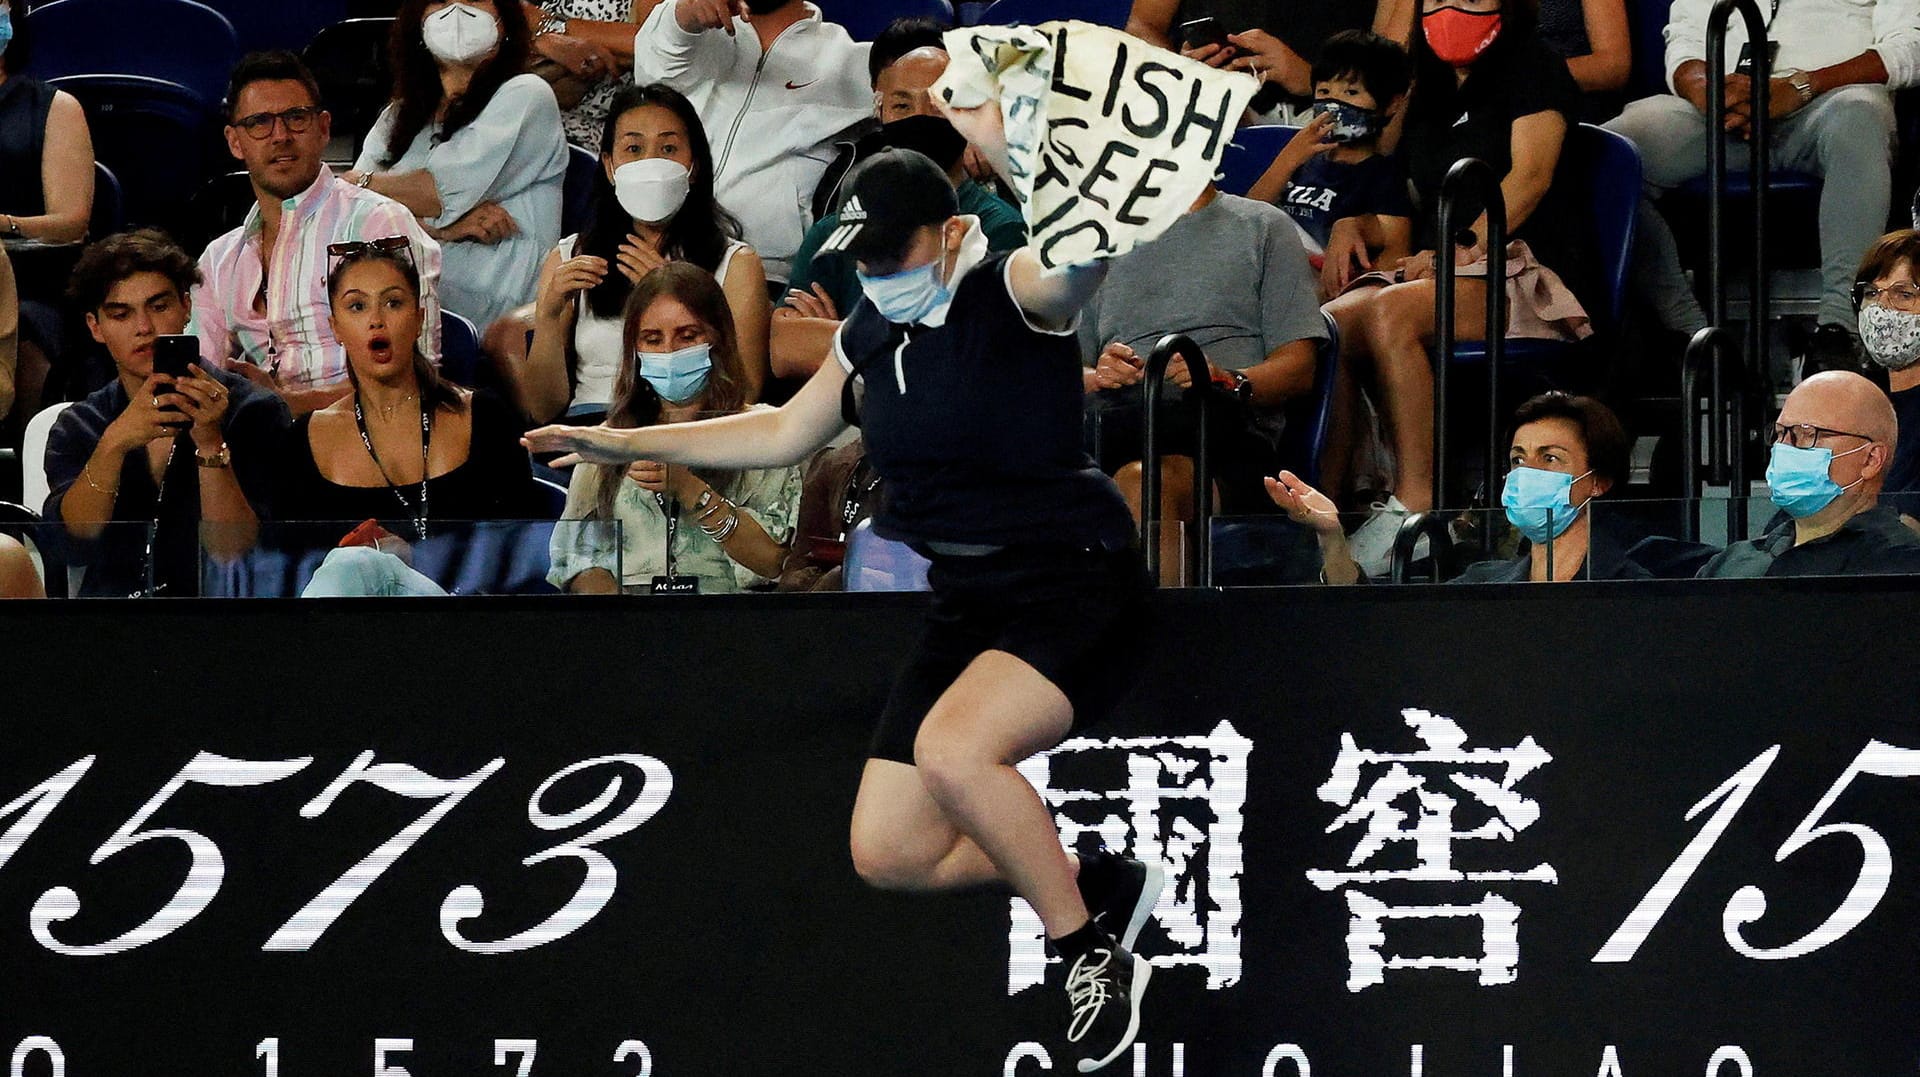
(1544, 832)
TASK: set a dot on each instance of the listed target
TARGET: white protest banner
(1108, 140)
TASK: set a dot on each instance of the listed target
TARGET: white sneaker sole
(1149, 897)
(1142, 971)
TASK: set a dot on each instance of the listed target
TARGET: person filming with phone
(169, 457)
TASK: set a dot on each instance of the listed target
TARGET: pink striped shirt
(273, 312)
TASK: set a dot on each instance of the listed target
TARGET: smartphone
(1204, 31)
(171, 354)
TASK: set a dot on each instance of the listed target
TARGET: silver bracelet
(724, 531)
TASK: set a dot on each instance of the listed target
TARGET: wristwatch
(1801, 85)
(221, 457)
(1242, 386)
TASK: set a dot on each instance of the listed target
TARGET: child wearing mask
(1333, 172)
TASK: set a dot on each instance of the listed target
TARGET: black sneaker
(1104, 987)
(1120, 893)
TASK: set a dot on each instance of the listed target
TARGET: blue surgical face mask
(1799, 481)
(678, 376)
(1539, 503)
(910, 295)
(6, 29)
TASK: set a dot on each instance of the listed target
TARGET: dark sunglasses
(391, 246)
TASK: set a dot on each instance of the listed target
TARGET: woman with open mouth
(406, 449)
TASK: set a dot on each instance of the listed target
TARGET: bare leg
(1399, 326)
(1176, 510)
(999, 712)
(902, 840)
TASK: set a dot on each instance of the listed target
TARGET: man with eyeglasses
(262, 308)
(1831, 447)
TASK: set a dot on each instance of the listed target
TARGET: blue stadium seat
(1310, 417)
(1606, 168)
(278, 24)
(864, 19)
(460, 356)
(1250, 154)
(877, 564)
(1034, 12)
(1647, 32)
(553, 496)
(109, 203)
(180, 41)
(576, 200)
(349, 60)
(158, 131)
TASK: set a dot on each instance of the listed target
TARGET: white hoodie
(771, 118)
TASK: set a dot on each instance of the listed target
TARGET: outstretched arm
(762, 438)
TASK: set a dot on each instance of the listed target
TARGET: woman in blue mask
(962, 369)
(1566, 451)
(728, 529)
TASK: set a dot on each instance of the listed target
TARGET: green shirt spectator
(1005, 229)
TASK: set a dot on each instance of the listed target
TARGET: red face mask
(1459, 37)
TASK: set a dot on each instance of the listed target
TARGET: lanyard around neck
(419, 513)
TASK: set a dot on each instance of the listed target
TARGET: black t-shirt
(1902, 490)
(1448, 121)
(1322, 191)
(974, 426)
(1304, 25)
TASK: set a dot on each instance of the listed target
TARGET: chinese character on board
(1177, 801)
(1410, 809)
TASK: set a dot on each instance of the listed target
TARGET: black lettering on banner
(1154, 127)
(1216, 126)
(1058, 152)
(1142, 190)
(1060, 84)
(1100, 171)
(1104, 246)
(1115, 80)
(1059, 213)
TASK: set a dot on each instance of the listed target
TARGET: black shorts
(1067, 613)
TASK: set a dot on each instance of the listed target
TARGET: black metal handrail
(1760, 143)
(1716, 349)
(1201, 392)
(1440, 557)
(1468, 172)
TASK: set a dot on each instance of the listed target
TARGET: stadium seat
(864, 19)
(1647, 33)
(576, 203)
(1310, 417)
(218, 207)
(1250, 154)
(553, 496)
(1607, 168)
(278, 24)
(179, 41)
(1033, 12)
(460, 356)
(109, 204)
(33, 456)
(349, 59)
(877, 564)
(158, 132)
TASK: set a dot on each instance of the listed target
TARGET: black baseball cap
(889, 196)
(932, 135)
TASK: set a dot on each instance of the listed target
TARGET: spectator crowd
(624, 213)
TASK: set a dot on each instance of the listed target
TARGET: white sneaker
(1372, 544)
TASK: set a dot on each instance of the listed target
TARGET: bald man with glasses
(1832, 445)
